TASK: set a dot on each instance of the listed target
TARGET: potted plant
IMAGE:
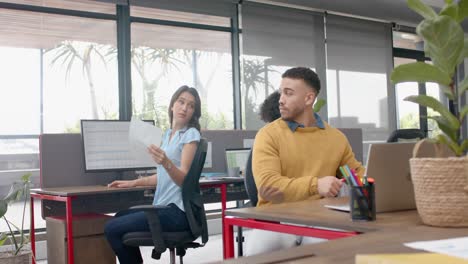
(18, 252)
(441, 183)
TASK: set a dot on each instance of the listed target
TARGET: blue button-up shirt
(167, 191)
(293, 125)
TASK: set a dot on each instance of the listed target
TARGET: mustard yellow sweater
(293, 161)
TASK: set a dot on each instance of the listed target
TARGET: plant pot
(23, 257)
(441, 190)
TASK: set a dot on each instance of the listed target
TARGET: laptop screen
(237, 157)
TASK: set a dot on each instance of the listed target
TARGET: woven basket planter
(441, 190)
(23, 257)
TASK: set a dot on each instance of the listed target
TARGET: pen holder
(362, 203)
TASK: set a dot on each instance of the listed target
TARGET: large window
(167, 57)
(273, 40)
(359, 56)
(56, 70)
(407, 49)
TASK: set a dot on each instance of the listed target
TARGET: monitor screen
(106, 146)
(237, 157)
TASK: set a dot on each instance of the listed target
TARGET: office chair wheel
(155, 255)
(180, 252)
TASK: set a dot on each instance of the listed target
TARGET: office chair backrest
(191, 194)
(406, 135)
(249, 182)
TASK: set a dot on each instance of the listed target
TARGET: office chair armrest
(148, 207)
(151, 212)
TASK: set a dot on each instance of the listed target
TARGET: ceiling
(384, 10)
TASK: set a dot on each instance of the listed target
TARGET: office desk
(385, 235)
(67, 194)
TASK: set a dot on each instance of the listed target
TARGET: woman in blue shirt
(174, 159)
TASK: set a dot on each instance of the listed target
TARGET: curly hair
(269, 110)
(307, 75)
(195, 120)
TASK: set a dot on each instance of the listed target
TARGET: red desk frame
(69, 215)
(229, 222)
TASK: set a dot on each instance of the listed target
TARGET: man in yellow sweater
(298, 156)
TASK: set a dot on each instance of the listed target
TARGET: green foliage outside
(411, 120)
(446, 45)
(19, 191)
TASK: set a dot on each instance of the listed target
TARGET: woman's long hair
(195, 120)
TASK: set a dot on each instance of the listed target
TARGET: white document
(343, 207)
(140, 136)
(209, 158)
(456, 247)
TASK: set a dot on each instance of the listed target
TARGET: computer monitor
(106, 146)
(237, 157)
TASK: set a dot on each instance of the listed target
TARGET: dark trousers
(172, 219)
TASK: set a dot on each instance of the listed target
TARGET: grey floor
(211, 252)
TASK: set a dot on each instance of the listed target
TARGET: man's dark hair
(307, 75)
(269, 110)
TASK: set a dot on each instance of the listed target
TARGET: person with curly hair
(269, 110)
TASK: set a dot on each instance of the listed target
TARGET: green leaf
(464, 145)
(462, 10)
(431, 102)
(450, 10)
(443, 42)
(26, 178)
(424, 10)
(3, 207)
(419, 72)
(319, 104)
(444, 125)
(3, 238)
(463, 86)
(463, 112)
(15, 193)
(447, 91)
(452, 145)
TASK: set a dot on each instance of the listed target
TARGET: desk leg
(228, 239)
(223, 208)
(69, 216)
(32, 232)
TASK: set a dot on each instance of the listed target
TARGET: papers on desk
(414, 258)
(342, 207)
(457, 247)
(141, 135)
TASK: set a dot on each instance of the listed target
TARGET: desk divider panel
(221, 140)
(354, 136)
(62, 165)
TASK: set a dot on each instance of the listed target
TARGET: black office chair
(251, 188)
(249, 182)
(194, 210)
(406, 134)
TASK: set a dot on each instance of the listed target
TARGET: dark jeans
(171, 219)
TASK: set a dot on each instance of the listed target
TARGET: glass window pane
(407, 112)
(20, 92)
(268, 51)
(163, 14)
(81, 5)
(165, 58)
(407, 41)
(359, 55)
(432, 89)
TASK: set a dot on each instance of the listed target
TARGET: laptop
(388, 164)
(237, 157)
